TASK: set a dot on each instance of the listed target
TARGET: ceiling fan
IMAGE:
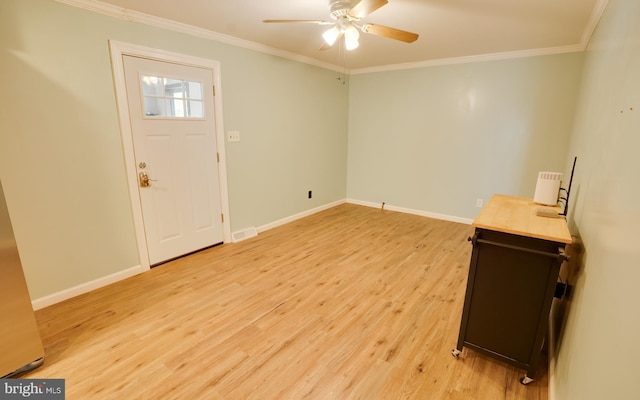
(345, 20)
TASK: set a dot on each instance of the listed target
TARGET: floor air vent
(244, 234)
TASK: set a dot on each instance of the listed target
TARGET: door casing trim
(120, 49)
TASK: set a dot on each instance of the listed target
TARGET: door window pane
(172, 98)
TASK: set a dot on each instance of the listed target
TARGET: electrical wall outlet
(479, 203)
(310, 195)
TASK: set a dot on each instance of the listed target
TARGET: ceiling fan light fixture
(351, 36)
(346, 17)
(331, 35)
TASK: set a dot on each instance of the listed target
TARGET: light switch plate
(233, 136)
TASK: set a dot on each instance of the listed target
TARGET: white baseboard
(118, 276)
(366, 204)
(84, 288)
(421, 213)
(298, 216)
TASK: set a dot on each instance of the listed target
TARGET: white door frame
(118, 50)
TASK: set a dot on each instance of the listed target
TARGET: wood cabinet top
(517, 215)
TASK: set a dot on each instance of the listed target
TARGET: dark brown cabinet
(510, 287)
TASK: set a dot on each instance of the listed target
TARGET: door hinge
(218, 156)
(214, 90)
(222, 218)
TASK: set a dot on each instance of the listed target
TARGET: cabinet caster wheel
(525, 380)
(455, 353)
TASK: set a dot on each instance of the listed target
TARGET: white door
(174, 142)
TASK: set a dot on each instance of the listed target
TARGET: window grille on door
(172, 98)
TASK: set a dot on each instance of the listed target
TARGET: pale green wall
(430, 139)
(600, 347)
(292, 120)
(436, 139)
(61, 158)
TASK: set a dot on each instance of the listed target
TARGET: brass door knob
(144, 179)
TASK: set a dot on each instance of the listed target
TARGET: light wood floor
(349, 303)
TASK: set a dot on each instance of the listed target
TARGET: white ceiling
(448, 29)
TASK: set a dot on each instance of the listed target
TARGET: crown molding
(163, 23)
(136, 16)
(473, 59)
(596, 14)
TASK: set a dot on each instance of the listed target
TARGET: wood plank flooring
(349, 303)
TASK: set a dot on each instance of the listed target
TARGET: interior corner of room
(437, 141)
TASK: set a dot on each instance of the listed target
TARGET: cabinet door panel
(508, 297)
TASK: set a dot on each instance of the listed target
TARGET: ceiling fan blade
(295, 21)
(391, 33)
(366, 7)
